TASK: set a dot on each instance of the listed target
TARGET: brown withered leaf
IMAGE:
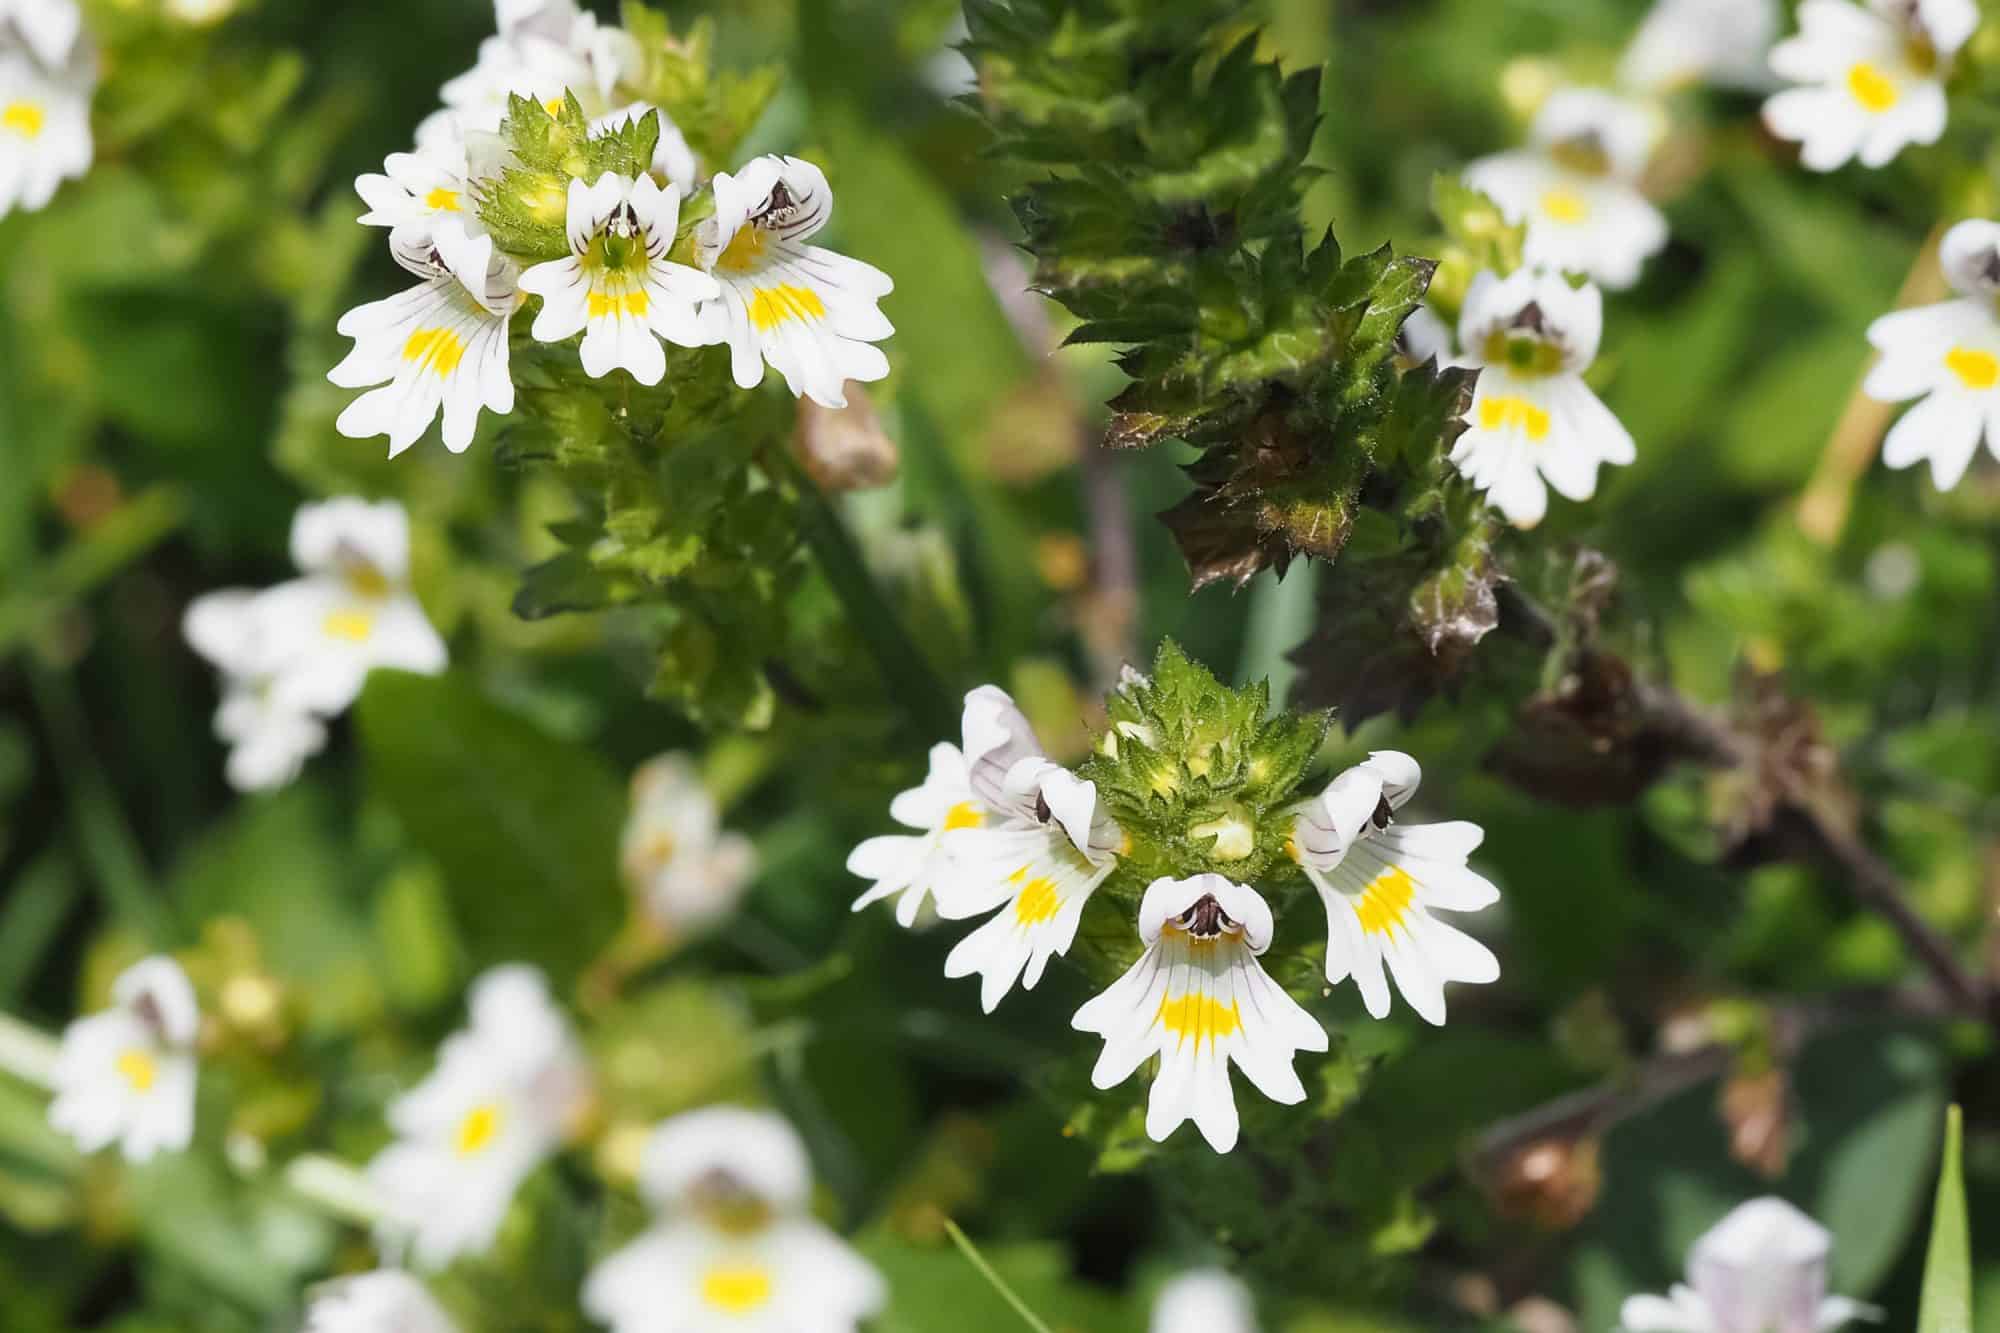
(1552, 1182)
(845, 448)
(1757, 1108)
(1786, 765)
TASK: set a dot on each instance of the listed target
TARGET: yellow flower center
(554, 106)
(634, 303)
(777, 305)
(351, 623)
(478, 1129)
(437, 350)
(744, 252)
(736, 1288)
(1975, 369)
(966, 814)
(1386, 901)
(441, 200)
(1563, 204)
(24, 118)
(1038, 901)
(138, 1068)
(1199, 1017)
(1511, 413)
(1872, 88)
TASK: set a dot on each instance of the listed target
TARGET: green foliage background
(163, 411)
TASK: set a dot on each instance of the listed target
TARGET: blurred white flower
(1533, 419)
(49, 28)
(1198, 999)
(1426, 337)
(1872, 78)
(503, 1097)
(810, 313)
(542, 53)
(1576, 186)
(1381, 881)
(200, 13)
(618, 287)
(385, 1301)
(733, 1250)
(269, 737)
(1947, 356)
(1682, 42)
(684, 870)
(1761, 1269)
(1204, 1301)
(441, 345)
(547, 18)
(44, 124)
(127, 1075)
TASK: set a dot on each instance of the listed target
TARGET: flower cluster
(294, 655)
(48, 71)
(1179, 800)
(550, 174)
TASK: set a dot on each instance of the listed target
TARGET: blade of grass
(1947, 1300)
(34, 908)
(993, 1279)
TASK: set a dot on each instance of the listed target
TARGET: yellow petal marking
(1975, 369)
(966, 814)
(24, 118)
(437, 350)
(777, 305)
(1511, 413)
(1199, 1017)
(634, 303)
(441, 200)
(1876, 91)
(478, 1129)
(352, 623)
(138, 1068)
(1386, 901)
(1037, 902)
(1565, 205)
(736, 1289)
(744, 252)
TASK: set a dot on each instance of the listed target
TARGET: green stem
(998, 1283)
(27, 1053)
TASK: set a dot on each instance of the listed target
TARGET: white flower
(48, 27)
(351, 612)
(1381, 882)
(733, 1251)
(440, 345)
(385, 1301)
(1763, 1267)
(1198, 999)
(127, 1075)
(678, 862)
(1873, 79)
(548, 18)
(44, 126)
(1948, 356)
(548, 54)
(1426, 337)
(269, 738)
(1533, 419)
(909, 869)
(422, 194)
(1724, 42)
(1577, 186)
(618, 286)
(1205, 1301)
(500, 1101)
(811, 313)
(1042, 848)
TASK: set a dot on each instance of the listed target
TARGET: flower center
(441, 200)
(353, 624)
(1199, 1017)
(1522, 353)
(778, 305)
(436, 350)
(1512, 413)
(1386, 901)
(1975, 369)
(24, 118)
(612, 304)
(966, 814)
(745, 251)
(736, 1288)
(138, 1068)
(1584, 154)
(1565, 205)
(478, 1129)
(1873, 89)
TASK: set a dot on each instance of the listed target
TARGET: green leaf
(523, 826)
(1947, 1301)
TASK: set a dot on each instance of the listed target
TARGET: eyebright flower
(270, 738)
(811, 313)
(1043, 846)
(1948, 356)
(1682, 42)
(733, 1250)
(49, 28)
(441, 345)
(1761, 1267)
(385, 1301)
(686, 873)
(1873, 79)
(1198, 999)
(422, 194)
(127, 1075)
(44, 124)
(1381, 882)
(1577, 186)
(618, 286)
(503, 1096)
(1533, 419)
(1206, 1301)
